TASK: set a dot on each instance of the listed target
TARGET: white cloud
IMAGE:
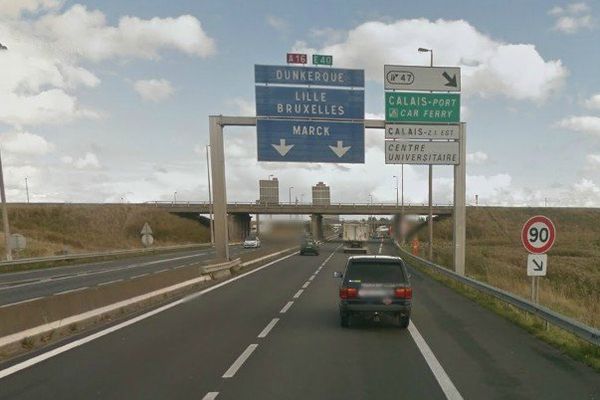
(89, 35)
(277, 23)
(14, 8)
(88, 161)
(154, 89)
(593, 160)
(489, 67)
(572, 18)
(25, 143)
(243, 106)
(478, 157)
(593, 102)
(584, 124)
(43, 66)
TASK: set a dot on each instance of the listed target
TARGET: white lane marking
(286, 307)
(380, 246)
(80, 342)
(210, 396)
(110, 282)
(237, 364)
(298, 293)
(305, 284)
(268, 328)
(139, 276)
(161, 270)
(70, 290)
(434, 365)
(20, 302)
(312, 277)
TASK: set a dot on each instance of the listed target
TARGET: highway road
(274, 333)
(22, 286)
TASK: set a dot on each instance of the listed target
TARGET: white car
(251, 243)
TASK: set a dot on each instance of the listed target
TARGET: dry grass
(495, 255)
(74, 229)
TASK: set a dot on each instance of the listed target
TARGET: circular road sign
(538, 234)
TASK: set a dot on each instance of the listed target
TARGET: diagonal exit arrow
(340, 150)
(538, 267)
(451, 79)
(282, 148)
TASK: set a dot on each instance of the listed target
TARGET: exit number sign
(296, 58)
(320, 59)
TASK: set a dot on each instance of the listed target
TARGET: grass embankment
(495, 255)
(60, 229)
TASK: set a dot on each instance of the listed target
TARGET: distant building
(321, 195)
(268, 191)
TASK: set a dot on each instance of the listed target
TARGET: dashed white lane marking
(311, 277)
(268, 328)
(286, 307)
(298, 293)
(71, 290)
(380, 247)
(237, 364)
(305, 284)
(20, 302)
(139, 276)
(210, 396)
(110, 282)
(434, 365)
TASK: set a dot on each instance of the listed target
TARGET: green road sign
(422, 107)
(320, 59)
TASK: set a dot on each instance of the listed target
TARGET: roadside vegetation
(495, 255)
(65, 229)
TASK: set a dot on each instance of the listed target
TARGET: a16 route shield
(310, 141)
(422, 107)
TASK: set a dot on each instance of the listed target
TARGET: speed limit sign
(538, 234)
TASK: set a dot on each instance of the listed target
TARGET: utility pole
(290, 198)
(210, 205)
(27, 189)
(8, 250)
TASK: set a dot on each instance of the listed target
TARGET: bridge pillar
(316, 226)
(238, 226)
(257, 224)
(398, 228)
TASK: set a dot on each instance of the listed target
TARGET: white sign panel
(410, 77)
(421, 131)
(421, 152)
(537, 264)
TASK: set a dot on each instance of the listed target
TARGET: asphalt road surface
(274, 334)
(22, 286)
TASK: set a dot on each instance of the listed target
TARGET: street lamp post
(7, 249)
(290, 197)
(27, 189)
(174, 197)
(430, 219)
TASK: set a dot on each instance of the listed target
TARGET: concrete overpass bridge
(239, 213)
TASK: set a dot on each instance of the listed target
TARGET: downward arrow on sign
(340, 150)
(282, 148)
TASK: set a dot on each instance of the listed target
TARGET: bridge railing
(287, 205)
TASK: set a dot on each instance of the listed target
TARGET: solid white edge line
(436, 368)
(268, 328)
(210, 396)
(298, 293)
(237, 364)
(79, 342)
(286, 307)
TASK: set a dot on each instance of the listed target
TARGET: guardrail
(77, 256)
(577, 328)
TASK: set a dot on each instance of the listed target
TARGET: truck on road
(355, 235)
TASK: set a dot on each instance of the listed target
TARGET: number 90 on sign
(538, 234)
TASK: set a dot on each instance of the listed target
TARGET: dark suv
(375, 285)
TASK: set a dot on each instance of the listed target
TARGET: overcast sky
(108, 100)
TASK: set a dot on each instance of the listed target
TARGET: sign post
(537, 235)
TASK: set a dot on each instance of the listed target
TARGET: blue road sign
(282, 74)
(278, 101)
(310, 141)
